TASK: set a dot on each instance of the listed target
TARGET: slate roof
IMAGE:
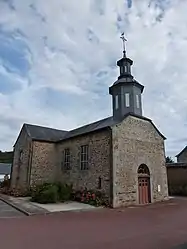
(103, 123)
(181, 151)
(5, 168)
(47, 134)
(44, 133)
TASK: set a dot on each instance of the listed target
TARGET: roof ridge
(91, 123)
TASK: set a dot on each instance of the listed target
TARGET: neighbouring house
(5, 169)
(177, 172)
(122, 155)
(182, 156)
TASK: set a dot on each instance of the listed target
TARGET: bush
(45, 194)
(51, 193)
(64, 192)
(95, 198)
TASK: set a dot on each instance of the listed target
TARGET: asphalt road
(7, 211)
(158, 226)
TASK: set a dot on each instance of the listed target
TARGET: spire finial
(124, 40)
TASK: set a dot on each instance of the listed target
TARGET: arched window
(143, 170)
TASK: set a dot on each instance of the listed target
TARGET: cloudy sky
(58, 58)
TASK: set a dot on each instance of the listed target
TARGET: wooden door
(144, 190)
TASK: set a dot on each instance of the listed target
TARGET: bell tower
(126, 91)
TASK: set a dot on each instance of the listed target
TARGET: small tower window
(123, 69)
(137, 101)
(127, 100)
(117, 102)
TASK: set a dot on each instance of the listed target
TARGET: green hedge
(51, 193)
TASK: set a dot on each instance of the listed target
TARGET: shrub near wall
(57, 192)
(51, 193)
(95, 198)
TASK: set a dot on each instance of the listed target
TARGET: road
(7, 211)
(158, 226)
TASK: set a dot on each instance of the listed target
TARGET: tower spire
(126, 91)
(123, 40)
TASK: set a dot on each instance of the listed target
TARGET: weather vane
(124, 40)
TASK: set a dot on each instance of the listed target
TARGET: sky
(58, 58)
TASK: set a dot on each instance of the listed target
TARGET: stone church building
(122, 155)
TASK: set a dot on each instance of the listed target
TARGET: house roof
(176, 165)
(37, 132)
(5, 168)
(181, 151)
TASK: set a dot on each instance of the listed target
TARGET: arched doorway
(144, 192)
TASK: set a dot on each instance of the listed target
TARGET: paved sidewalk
(7, 211)
(29, 208)
(23, 205)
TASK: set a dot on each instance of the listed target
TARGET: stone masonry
(136, 142)
(21, 161)
(43, 163)
(99, 161)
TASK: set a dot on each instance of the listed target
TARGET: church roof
(123, 81)
(98, 125)
(37, 132)
(47, 134)
(101, 124)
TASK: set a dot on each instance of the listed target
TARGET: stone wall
(43, 163)
(136, 142)
(20, 166)
(99, 161)
(182, 158)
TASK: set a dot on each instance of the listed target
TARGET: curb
(47, 212)
(15, 206)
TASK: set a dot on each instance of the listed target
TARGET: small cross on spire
(124, 40)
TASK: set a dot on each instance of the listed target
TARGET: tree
(169, 160)
(6, 157)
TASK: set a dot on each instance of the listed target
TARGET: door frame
(143, 172)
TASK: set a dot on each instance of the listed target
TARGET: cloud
(57, 60)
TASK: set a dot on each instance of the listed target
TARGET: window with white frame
(84, 157)
(67, 159)
(127, 100)
(116, 102)
(137, 101)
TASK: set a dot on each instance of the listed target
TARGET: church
(122, 155)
